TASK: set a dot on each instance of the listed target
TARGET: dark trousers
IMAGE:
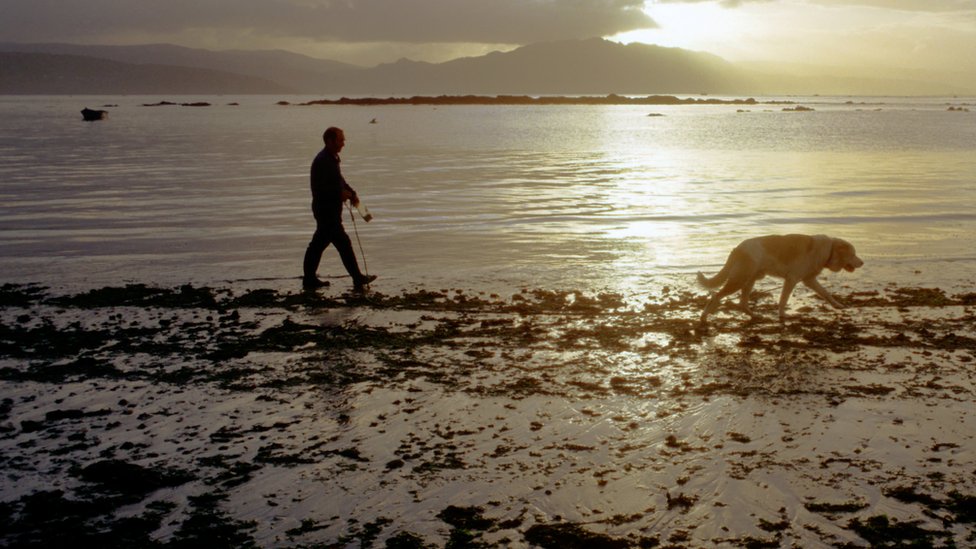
(325, 234)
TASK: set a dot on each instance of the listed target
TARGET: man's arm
(348, 193)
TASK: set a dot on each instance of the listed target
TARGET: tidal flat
(143, 416)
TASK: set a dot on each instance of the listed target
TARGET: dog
(793, 257)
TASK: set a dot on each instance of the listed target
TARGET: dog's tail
(717, 280)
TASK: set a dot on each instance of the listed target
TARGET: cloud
(723, 3)
(905, 5)
(898, 5)
(405, 21)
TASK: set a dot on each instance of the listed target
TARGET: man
(329, 191)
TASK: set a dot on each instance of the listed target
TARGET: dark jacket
(327, 187)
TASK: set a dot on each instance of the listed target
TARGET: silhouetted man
(329, 191)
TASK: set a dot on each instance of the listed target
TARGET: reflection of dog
(793, 257)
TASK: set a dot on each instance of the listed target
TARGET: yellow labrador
(793, 257)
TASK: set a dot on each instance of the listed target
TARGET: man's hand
(350, 196)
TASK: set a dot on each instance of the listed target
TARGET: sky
(887, 37)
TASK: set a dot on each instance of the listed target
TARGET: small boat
(91, 115)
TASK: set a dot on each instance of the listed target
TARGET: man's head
(334, 139)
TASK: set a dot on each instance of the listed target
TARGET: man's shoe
(363, 281)
(313, 283)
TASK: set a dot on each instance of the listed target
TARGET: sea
(631, 199)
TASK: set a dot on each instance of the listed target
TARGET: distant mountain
(290, 70)
(573, 67)
(41, 73)
(581, 67)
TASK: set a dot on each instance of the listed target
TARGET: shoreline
(154, 416)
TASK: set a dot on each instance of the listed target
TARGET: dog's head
(843, 256)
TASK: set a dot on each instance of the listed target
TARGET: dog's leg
(784, 298)
(710, 308)
(715, 300)
(744, 297)
(738, 271)
(814, 285)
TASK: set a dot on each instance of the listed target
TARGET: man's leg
(344, 245)
(313, 256)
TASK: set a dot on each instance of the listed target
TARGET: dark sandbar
(612, 99)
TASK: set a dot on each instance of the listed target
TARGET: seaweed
(574, 536)
(209, 526)
(882, 531)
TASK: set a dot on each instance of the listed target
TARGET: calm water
(483, 198)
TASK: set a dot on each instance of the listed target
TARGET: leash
(355, 229)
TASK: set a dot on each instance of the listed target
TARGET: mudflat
(147, 417)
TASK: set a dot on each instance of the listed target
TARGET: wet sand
(140, 417)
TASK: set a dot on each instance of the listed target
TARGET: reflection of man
(329, 191)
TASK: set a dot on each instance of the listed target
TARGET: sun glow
(701, 26)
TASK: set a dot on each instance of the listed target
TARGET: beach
(147, 416)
